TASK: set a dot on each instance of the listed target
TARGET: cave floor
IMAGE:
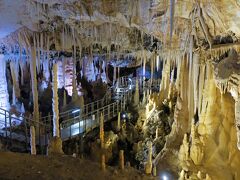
(25, 166)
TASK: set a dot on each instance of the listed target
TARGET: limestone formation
(101, 132)
(190, 119)
(33, 140)
(121, 159)
(148, 167)
(136, 95)
(55, 144)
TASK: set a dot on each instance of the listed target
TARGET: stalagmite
(56, 131)
(148, 166)
(33, 140)
(103, 164)
(155, 171)
(121, 159)
(119, 121)
(144, 98)
(22, 109)
(55, 145)
(74, 88)
(102, 131)
(136, 94)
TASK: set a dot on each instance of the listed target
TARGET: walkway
(74, 122)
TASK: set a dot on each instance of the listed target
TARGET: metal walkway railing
(65, 115)
(83, 123)
(15, 132)
(73, 122)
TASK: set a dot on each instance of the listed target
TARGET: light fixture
(164, 177)
(75, 111)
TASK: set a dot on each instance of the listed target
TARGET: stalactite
(157, 63)
(191, 81)
(46, 72)
(56, 131)
(15, 77)
(33, 66)
(38, 56)
(4, 96)
(13, 97)
(201, 87)
(196, 80)
(152, 67)
(172, 11)
(204, 27)
(22, 69)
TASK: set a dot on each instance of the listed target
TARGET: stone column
(121, 159)
(33, 66)
(148, 167)
(55, 145)
(237, 119)
(33, 140)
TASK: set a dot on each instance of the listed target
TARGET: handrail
(62, 114)
(83, 122)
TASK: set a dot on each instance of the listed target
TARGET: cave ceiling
(123, 25)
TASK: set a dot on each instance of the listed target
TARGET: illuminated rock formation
(3, 85)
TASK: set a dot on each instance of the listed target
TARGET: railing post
(97, 116)
(93, 120)
(109, 112)
(5, 123)
(97, 104)
(79, 125)
(92, 107)
(39, 137)
(25, 125)
(10, 122)
(113, 109)
(86, 109)
(70, 130)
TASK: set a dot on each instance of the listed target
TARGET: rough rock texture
(55, 146)
(26, 167)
